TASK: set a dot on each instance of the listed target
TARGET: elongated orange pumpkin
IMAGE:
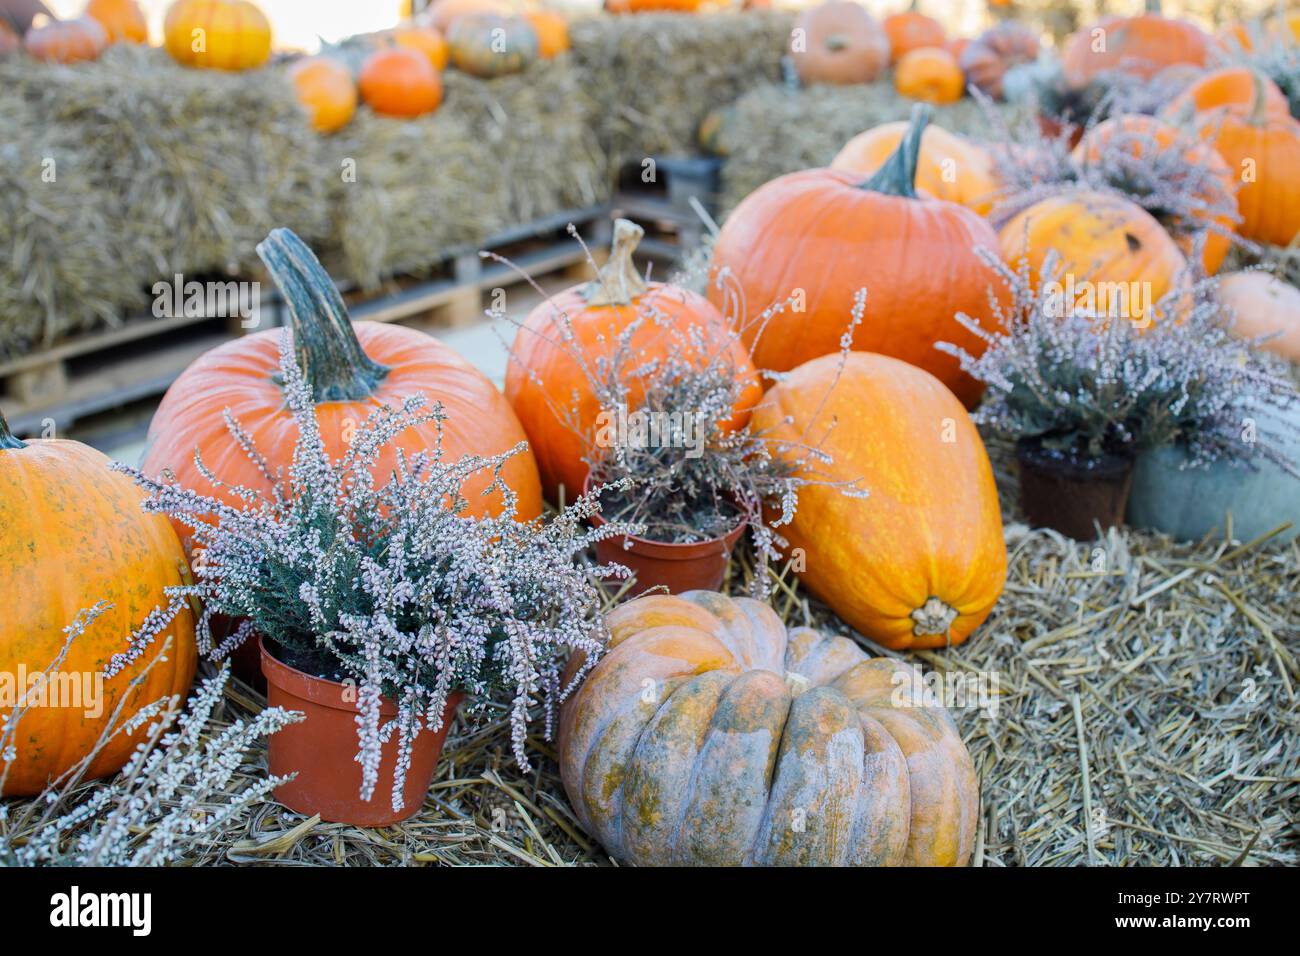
(547, 385)
(712, 736)
(352, 370)
(920, 561)
(73, 534)
(821, 235)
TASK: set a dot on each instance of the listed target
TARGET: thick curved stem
(898, 176)
(333, 363)
(7, 439)
(1259, 107)
(933, 617)
(618, 283)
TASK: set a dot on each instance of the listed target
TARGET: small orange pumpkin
(217, 34)
(326, 89)
(842, 44)
(909, 30)
(424, 40)
(1141, 46)
(66, 41)
(552, 31)
(1228, 88)
(400, 82)
(1264, 305)
(122, 20)
(929, 74)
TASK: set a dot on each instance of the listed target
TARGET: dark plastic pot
(1072, 496)
(1052, 127)
(322, 751)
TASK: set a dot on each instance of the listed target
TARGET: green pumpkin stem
(619, 283)
(898, 176)
(1259, 108)
(333, 363)
(7, 439)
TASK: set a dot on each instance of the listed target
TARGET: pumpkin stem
(933, 617)
(898, 176)
(1259, 108)
(618, 282)
(7, 439)
(333, 363)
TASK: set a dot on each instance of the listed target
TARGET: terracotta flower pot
(1065, 494)
(322, 750)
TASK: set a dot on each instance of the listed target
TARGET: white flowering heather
(392, 585)
(1090, 386)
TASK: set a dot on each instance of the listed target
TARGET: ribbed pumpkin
(424, 40)
(352, 370)
(1229, 88)
(920, 561)
(949, 166)
(1263, 153)
(931, 75)
(1144, 133)
(909, 30)
(841, 44)
(400, 82)
(122, 20)
(1101, 238)
(545, 376)
(74, 534)
(987, 58)
(552, 31)
(712, 736)
(66, 41)
(443, 13)
(824, 234)
(326, 90)
(487, 45)
(1141, 46)
(1264, 305)
(217, 34)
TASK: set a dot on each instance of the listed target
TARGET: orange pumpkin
(820, 235)
(1263, 152)
(652, 6)
(986, 61)
(75, 535)
(1144, 133)
(326, 90)
(1141, 46)
(443, 13)
(9, 40)
(122, 20)
(949, 166)
(931, 75)
(759, 745)
(910, 31)
(400, 82)
(66, 41)
(1228, 88)
(352, 370)
(217, 34)
(552, 31)
(1264, 305)
(545, 381)
(920, 561)
(1102, 239)
(423, 40)
(841, 43)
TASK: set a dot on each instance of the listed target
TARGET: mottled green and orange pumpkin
(711, 735)
(487, 45)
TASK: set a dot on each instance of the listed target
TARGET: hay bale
(160, 169)
(774, 130)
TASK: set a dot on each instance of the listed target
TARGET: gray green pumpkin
(488, 45)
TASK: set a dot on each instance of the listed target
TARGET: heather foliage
(390, 582)
(1088, 385)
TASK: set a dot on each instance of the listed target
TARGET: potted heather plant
(1082, 394)
(379, 606)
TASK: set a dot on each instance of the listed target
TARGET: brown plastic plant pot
(322, 750)
(677, 567)
(1070, 497)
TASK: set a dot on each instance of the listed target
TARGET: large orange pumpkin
(949, 166)
(841, 43)
(545, 381)
(1142, 46)
(712, 736)
(1264, 305)
(217, 34)
(920, 561)
(74, 535)
(1228, 88)
(66, 41)
(122, 20)
(400, 82)
(909, 30)
(1103, 239)
(326, 90)
(930, 74)
(821, 235)
(352, 370)
(1141, 134)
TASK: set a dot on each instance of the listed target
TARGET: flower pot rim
(674, 550)
(1111, 466)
